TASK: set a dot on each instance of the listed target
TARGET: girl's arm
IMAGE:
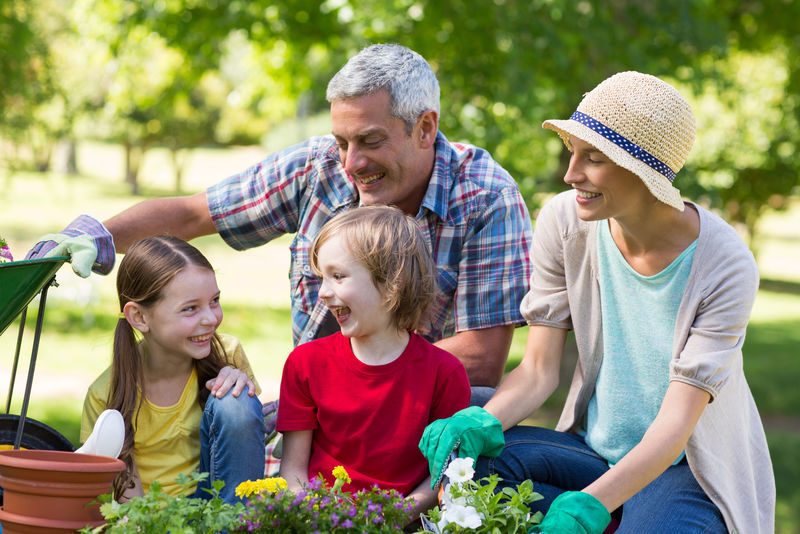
(296, 453)
(230, 378)
(536, 377)
(424, 498)
(136, 490)
(680, 410)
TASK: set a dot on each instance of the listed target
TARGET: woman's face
(603, 188)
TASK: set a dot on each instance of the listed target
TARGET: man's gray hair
(406, 75)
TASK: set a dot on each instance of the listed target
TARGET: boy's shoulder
(318, 347)
(424, 349)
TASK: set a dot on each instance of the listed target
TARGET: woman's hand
(230, 378)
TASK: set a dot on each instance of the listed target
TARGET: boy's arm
(296, 454)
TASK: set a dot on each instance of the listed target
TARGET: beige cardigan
(727, 452)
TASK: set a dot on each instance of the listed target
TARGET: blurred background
(106, 102)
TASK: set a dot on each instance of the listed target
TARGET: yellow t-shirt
(167, 440)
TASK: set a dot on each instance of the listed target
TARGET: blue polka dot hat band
(632, 148)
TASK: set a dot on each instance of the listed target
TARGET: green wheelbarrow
(20, 282)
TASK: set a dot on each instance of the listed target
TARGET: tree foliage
(179, 73)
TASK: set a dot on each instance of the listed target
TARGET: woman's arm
(667, 436)
(424, 498)
(296, 454)
(536, 377)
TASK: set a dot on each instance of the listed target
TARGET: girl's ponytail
(126, 382)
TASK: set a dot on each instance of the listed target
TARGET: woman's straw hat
(641, 123)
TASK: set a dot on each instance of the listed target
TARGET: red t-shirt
(369, 418)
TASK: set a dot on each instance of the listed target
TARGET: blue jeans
(558, 462)
(481, 395)
(231, 443)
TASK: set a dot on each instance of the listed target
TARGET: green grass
(81, 314)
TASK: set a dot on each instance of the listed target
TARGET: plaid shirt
(473, 217)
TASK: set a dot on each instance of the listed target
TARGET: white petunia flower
(449, 500)
(463, 516)
(460, 470)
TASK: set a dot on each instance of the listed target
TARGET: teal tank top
(639, 314)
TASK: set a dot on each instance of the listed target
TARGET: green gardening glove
(574, 512)
(475, 431)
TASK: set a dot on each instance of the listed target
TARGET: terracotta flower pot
(51, 491)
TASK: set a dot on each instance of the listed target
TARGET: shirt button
(307, 269)
(310, 334)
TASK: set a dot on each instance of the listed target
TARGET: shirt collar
(436, 195)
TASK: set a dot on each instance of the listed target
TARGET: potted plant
(468, 505)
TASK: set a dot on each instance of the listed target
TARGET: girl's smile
(181, 324)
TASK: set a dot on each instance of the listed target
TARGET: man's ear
(136, 317)
(426, 129)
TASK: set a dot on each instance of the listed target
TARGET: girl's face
(181, 323)
(349, 293)
(603, 188)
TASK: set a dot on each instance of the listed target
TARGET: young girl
(177, 382)
(362, 397)
(659, 424)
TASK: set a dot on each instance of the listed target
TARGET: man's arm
(483, 352)
(185, 217)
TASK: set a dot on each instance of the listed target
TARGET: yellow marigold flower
(269, 485)
(341, 474)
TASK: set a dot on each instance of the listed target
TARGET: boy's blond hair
(391, 246)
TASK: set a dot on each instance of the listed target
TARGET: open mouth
(586, 194)
(200, 339)
(371, 179)
(340, 311)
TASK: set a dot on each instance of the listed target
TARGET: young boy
(362, 397)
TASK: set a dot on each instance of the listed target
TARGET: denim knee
(236, 412)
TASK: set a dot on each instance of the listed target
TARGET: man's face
(388, 165)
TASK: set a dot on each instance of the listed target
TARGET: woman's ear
(136, 317)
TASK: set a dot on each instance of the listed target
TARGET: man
(385, 148)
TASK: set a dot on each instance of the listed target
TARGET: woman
(659, 425)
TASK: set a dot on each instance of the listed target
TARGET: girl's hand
(230, 378)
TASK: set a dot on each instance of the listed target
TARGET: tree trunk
(133, 160)
(72, 157)
(178, 166)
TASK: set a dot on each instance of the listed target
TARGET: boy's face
(350, 294)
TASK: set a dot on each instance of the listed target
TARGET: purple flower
(347, 523)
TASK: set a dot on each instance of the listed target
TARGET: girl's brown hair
(391, 246)
(144, 272)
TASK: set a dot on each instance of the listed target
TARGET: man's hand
(85, 240)
(574, 512)
(473, 429)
